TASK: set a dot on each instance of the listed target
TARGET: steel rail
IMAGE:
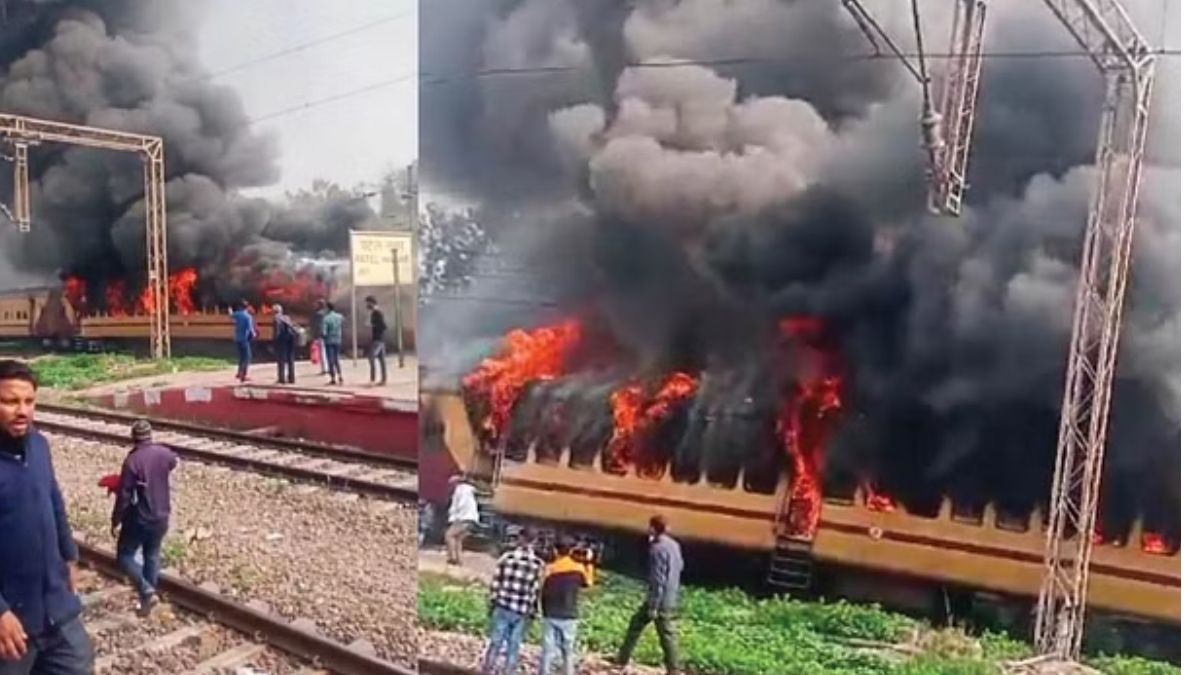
(338, 452)
(366, 487)
(430, 667)
(310, 646)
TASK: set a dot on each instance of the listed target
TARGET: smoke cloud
(132, 65)
(775, 172)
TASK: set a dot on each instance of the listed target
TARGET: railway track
(198, 631)
(345, 468)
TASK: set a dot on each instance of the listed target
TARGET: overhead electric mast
(1125, 60)
(21, 132)
(948, 104)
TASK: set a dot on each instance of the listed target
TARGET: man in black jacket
(285, 339)
(40, 628)
(378, 350)
(662, 598)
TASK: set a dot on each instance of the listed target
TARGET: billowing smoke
(740, 162)
(132, 65)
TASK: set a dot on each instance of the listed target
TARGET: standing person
(317, 326)
(40, 627)
(286, 337)
(512, 603)
(662, 598)
(564, 578)
(244, 333)
(143, 510)
(464, 513)
(378, 350)
(332, 331)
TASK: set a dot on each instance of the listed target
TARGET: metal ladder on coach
(791, 566)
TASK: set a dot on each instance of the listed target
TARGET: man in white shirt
(464, 512)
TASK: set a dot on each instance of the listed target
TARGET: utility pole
(1105, 31)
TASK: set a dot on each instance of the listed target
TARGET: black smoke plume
(771, 171)
(132, 65)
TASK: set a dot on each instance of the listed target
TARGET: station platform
(375, 419)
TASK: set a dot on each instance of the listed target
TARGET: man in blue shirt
(332, 330)
(40, 627)
(244, 333)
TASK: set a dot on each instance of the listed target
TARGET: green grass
(727, 632)
(79, 371)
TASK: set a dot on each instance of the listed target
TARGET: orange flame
(114, 297)
(626, 404)
(804, 424)
(75, 290)
(878, 501)
(302, 289)
(181, 287)
(1155, 543)
(145, 302)
(634, 418)
(526, 356)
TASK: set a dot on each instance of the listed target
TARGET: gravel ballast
(345, 562)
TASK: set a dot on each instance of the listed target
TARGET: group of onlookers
(527, 585)
(325, 329)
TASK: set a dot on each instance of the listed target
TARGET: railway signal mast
(1125, 60)
(947, 105)
(20, 132)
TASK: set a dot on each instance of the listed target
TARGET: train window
(965, 511)
(1011, 521)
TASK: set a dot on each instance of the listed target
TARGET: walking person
(662, 598)
(564, 578)
(511, 604)
(378, 351)
(462, 516)
(317, 327)
(244, 332)
(332, 331)
(142, 511)
(286, 337)
(41, 632)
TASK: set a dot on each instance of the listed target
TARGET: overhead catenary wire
(303, 46)
(335, 97)
(442, 78)
(437, 79)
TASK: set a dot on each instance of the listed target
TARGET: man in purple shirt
(142, 510)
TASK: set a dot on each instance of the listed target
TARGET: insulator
(931, 130)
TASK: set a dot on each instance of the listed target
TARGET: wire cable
(297, 48)
(439, 78)
(330, 99)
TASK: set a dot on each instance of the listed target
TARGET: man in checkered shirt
(513, 602)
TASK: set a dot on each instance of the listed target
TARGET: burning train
(723, 298)
(73, 315)
(525, 420)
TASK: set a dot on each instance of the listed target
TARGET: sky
(351, 140)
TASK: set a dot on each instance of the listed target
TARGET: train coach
(45, 315)
(884, 553)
